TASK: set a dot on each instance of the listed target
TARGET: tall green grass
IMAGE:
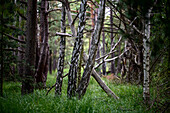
(94, 101)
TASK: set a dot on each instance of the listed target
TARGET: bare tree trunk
(50, 62)
(118, 70)
(98, 56)
(103, 53)
(70, 20)
(146, 57)
(72, 77)
(54, 60)
(28, 82)
(93, 49)
(40, 73)
(60, 66)
(112, 42)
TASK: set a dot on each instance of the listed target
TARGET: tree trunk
(146, 57)
(93, 49)
(100, 82)
(72, 77)
(54, 60)
(103, 53)
(40, 73)
(119, 60)
(70, 20)
(28, 82)
(60, 65)
(50, 62)
(112, 42)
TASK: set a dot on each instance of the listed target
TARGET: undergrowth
(94, 101)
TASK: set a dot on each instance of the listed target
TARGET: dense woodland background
(84, 55)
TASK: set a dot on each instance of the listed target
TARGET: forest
(84, 56)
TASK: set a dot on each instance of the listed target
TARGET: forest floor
(94, 101)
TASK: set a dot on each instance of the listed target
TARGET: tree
(93, 49)
(42, 62)
(72, 77)
(60, 65)
(28, 82)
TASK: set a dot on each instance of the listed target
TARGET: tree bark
(146, 57)
(103, 53)
(112, 42)
(60, 66)
(41, 67)
(100, 82)
(72, 77)
(28, 82)
(70, 20)
(93, 49)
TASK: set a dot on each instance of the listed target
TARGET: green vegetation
(94, 101)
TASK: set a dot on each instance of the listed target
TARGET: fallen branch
(96, 76)
(63, 34)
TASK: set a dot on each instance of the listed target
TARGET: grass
(94, 101)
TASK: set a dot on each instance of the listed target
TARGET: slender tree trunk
(79, 67)
(60, 66)
(112, 42)
(119, 60)
(146, 57)
(72, 77)
(70, 20)
(54, 60)
(40, 73)
(28, 82)
(103, 53)
(93, 49)
(98, 56)
(50, 62)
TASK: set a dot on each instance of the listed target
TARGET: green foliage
(95, 100)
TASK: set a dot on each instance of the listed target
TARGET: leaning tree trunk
(72, 76)
(146, 57)
(60, 65)
(93, 49)
(28, 82)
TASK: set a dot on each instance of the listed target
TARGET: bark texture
(41, 73)
(28, 80)
(72, 77)
(103, 53)
(60, 65)
(93, 49)
(146, 57)
(112, 41)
